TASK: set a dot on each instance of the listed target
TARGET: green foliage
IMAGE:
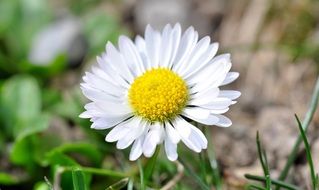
(118, 185)
(309, 157)
(8, 179)
(99, 29)
(79, 181)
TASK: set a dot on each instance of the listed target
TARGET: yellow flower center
(158, 95)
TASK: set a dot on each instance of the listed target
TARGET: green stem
(253, 187)
(97, 171)
(193, 174)
(305, 124)
(308, 153)
(274, 182)
(212, 161)
(140, 167)
(150, 165)
(202, 166)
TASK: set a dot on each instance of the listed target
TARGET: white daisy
(145, 90)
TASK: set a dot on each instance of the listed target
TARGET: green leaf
(21, 98)
(7, 179)
(56, 66)
(41, 186)
(79, 181)
(118, 185)
(33, 126)
(8, 9)
(100, 28)
(25, 147)
(58, 158)
(308, 153)
(89, 150)
(22, 152)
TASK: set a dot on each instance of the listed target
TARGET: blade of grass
(150, 165)
(130, 184)
(142, 181)
(274, 182)
(193, 174)
(308, 153)
(212, 161)
(97, 171)
(268, 182)
(264, 162)
(118, 185)
(105, 172)
(305, 124)
(260, 154)
(252, 186)
(78, 179)
(202, 166)
(267, 173)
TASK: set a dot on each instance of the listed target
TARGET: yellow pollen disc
(158, 95)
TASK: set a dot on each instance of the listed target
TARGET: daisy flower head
(148, 91)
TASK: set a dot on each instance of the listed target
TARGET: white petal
(187, 134)
(176, 37)
(203, 61)
(166, 49)
(114, 77)
(188, 42)
(94, 95)
(140, 44)
(205, 96)
(200, 137)
(196, 53)
(152, 139)
(172, 133)
(123, 143)
(137, 128)
(102, 84)
(105, 123)
(216, 103)
(197, 112)
(213, 78)
(113, 109)
(102, 109)
(102, 74)
(136, 150)
(230, 77)
(118, 62)
(209, 120)
(223, 121)
(85, 115)
(231, 94)
(153, 45)
(119, 131)
(213, 69)
(131, 55)
(170, 149)
(220, 111)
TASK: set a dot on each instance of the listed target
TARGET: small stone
(61, 37)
